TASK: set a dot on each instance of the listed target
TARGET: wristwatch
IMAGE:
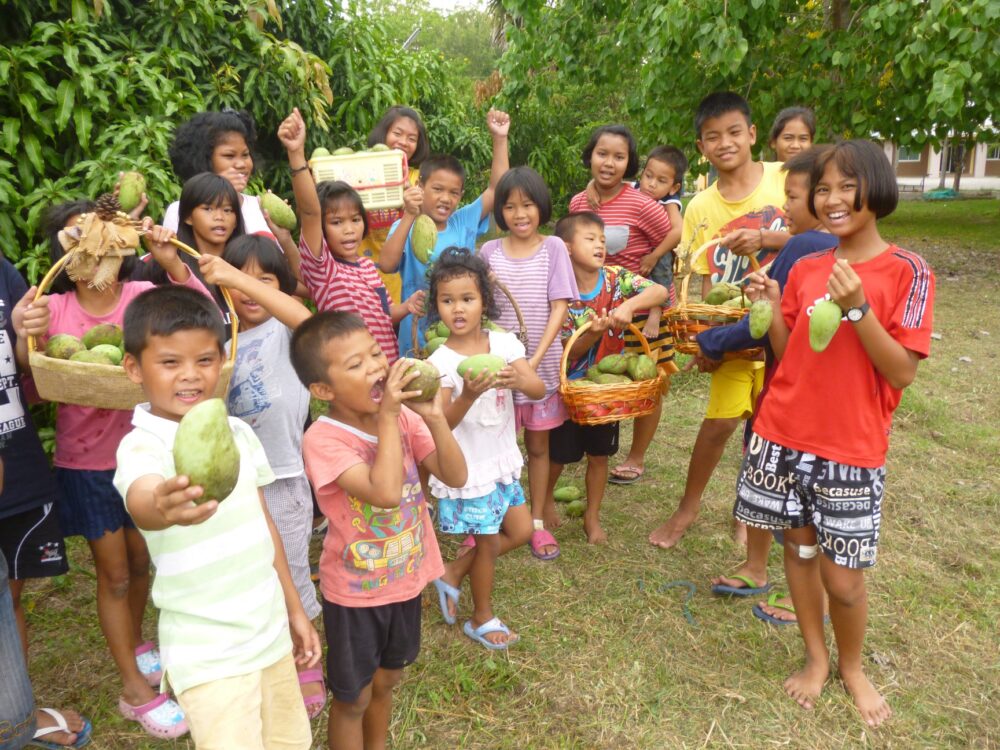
(857, 313)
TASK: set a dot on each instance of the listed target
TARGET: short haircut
(788, 114)
(266, 254)
(674, 157)
(867, 163)
(441, 163)
(206, 188)
(529, 182)
(311, 337)
(618, 130)
(191, 150)
(334, 192)
(566, 226)
(719, 104)
(165, 310)
(383, 126)
(805, 161)
(453, 263)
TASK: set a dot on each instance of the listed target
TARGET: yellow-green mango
(103, 333)
(92, 356)
(567, 494)
(761, 314)
(823, 324)
(717, 295)
(642, 368)
(423, 237)
(479, 363)
(379, 147)
(433, 344)
(111, 352)
(614, 364)
(343, 151)
(63, 346)
(576, 508)
(319, 151)
(279, 211)
(205, 450)
(130, 191)
(428, 380)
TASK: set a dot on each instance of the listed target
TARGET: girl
(832, 459)
(793, 131)
(334, 223)
(480, 411)
(265, 393)
(538, 273)
(635, 226)
(400, 128)
(90, 506)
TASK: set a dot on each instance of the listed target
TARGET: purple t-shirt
(535, 282)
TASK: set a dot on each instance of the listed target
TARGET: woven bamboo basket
(522, 332)
(686, 320)
(104, 386)
(592, 403)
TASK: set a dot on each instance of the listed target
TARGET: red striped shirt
(634, 225)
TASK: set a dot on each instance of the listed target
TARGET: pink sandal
(541, 538)
(147, 659)
(161, 717)
(314, 703)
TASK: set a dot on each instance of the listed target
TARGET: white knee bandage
(808, 551)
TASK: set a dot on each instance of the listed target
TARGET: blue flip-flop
(490, 626)
(445, 592)
(82, 737)
(751, 588)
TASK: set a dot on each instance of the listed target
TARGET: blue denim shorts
(90, 506)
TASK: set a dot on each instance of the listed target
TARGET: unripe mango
(63, 346)
(379, 147)
(92, 356)
(279, 211)
(113, 353)
(761, 314)
(205, 450)
(592, 372)
(641, 368)
(717, 295)
(440, 330)
(319, 151)
(343, 151)
(613, 363)
(576, 508)
(433, 344)
(428, 380)
(423, 237)
(567, 494)
(479, 363)
(132, 186)
(103, 333)
(823, 324)
(609, 378)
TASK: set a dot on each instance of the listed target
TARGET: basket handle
(682, 298)
(568, 346)
(46, 282)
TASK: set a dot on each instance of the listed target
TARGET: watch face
(855, 314)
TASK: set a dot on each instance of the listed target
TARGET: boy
(609, 298)
(437, 195)
(379, 551)
(742, 209)
(229, 612)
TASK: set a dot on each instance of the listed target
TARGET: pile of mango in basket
(618, 369)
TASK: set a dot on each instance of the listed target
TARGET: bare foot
(595, 534)
(667, 535)
(779, 612)
(805, 685)
(551, 519)
(870, 704)
(740, 533)
(73, 720)
(759, 580)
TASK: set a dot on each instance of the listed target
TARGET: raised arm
(392, 250)
(499, 126)
(292, 134)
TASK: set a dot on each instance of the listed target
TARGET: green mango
(63, 346)
(576, 508)
(479, 363)
(379, 147)
(567, 494)
(343, 151)
(205, 450)
(823, 324)
(130, 190)
(734, 302)
(593, 372)
(441, 330)
(489, 325)
(761, 314)
(610, 378)
(433, 344)
(279, 211)
(103, 333)
(428, 380)
(423, 237)
(93, 357)
(717, 294)
(111, 352)
(318, 152)
(642, 368)
(613, 363)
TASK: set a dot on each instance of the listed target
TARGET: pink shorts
(541, 416)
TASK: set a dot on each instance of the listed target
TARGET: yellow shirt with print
(371, 248)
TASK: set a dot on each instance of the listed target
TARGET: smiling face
(586, 248)
(658, 179)
(521, 215)
(609, 160)
(356, 370)
(177, 371)
(834, 200)
(726, 140)
(460, 304)
(404, 135)
(249, 312)
(798, 218)
(793, 139)
(344, 228)
(442, 193)
(213, 225)
(231, 159)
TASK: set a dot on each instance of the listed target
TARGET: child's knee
(353, 710)
(721, 428)
(385, 680)
(845, 587)
(115, 579)
(806, 555)
(598, 462)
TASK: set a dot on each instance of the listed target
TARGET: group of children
(238, 647)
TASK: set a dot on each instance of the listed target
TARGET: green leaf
(11, 130)
(34, 151)
(82, 121)
(65, 96)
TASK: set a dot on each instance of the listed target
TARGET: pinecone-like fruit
(107, 207)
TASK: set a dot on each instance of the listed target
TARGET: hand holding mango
(413, 200)
(176, 500)
(844, 286)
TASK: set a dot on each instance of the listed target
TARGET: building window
(993, 152)
(909, 153)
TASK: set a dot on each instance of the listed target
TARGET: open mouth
(378, 391)
(189, 396)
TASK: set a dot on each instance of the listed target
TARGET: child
(400, 128)
(229, 613)
(334, 223)
(792, 133)
(480, 412)
(538, 273)
(265, 394)
(609, 297)
(742, 210)
(806, 238)
(442, 181)
(86, 440)
(379, 551)
(832, 459)
(637, 231)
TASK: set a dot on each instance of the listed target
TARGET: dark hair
(566, 226)
(266, 254)
(788, 114)
(867, 163)
(804, 161)
(529, 182)
(312, 335)
(383, 126)
(206, 188)
(441, 163)
(195, 140)
(718, 104)
(674, 157)
(53, 223)
(453, 263)
(333, 192)
(621, 131)
(165, 310)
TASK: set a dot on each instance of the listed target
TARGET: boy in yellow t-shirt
(742, 210)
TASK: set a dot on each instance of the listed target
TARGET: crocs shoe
(147, 659)
(161, 717)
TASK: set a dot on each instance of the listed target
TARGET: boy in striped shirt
(231, 623)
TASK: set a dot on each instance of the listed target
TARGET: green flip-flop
(751, 588)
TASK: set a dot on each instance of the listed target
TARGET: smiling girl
(792, 133)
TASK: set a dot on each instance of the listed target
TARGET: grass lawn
(607, 658)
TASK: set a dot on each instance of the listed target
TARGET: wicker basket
(380, 177)
(686, 320)
(104, 386)
(522, 329)
(591, 403)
